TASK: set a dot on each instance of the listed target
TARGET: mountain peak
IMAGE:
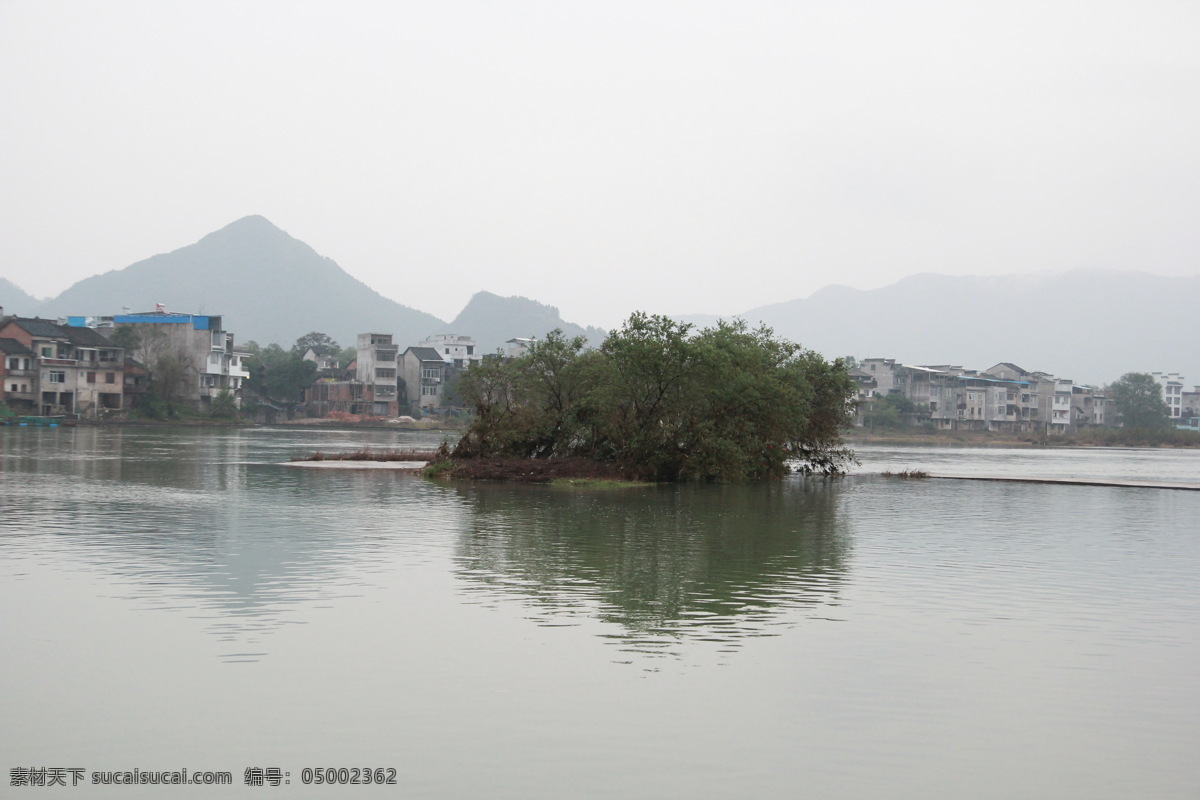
(254, 228)
(251, 222)
(492, 320)
(267, 285)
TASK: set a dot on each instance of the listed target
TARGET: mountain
(15, 300)
(266, 285)
(270, 287)
(492, 320)
(1091, 326)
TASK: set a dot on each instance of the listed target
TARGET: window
(47, 352)
(57, 376)
(91, 377)
(385, 373)
(110, 377)
(13, 362)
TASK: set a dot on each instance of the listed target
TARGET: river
(180, 598)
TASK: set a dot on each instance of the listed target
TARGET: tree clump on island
(662, 401)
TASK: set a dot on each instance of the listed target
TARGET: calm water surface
(177, 598)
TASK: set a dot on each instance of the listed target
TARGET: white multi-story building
(1060, 404)
(1172, 392)
(461, 351)
(518, 346)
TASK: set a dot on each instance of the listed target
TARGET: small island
(658, 401)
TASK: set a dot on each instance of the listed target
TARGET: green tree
(320, 343)
(887, 411)
(171, 368)
(289, 380)
(1138, 399)
(127, 337)
(726, 403)
(531, 406)
(279, 374)
(224, 406)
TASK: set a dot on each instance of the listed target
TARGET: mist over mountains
(1091, 326)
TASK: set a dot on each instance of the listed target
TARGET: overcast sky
(677, 157)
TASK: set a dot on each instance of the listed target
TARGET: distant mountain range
(1088, 325)
(14, 299)
(270, 287)
(1091, 326)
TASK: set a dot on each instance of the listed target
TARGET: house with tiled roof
(425, 375)
(17, 376)
(59, 370)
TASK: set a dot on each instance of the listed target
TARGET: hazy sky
(678, 157)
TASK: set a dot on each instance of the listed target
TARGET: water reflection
(204, 523)
(661, 566)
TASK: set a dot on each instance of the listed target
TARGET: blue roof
(199, 322)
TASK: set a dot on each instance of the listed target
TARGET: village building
(377, 369)
(517, 346)
(60, 370)
(1004, 397)
(18, 376)
(460, 351)
(325, 362)
(1171, 384)
(374, 389)
(211, 364)
(426, 375)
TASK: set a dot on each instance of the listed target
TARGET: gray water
(178, 598)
